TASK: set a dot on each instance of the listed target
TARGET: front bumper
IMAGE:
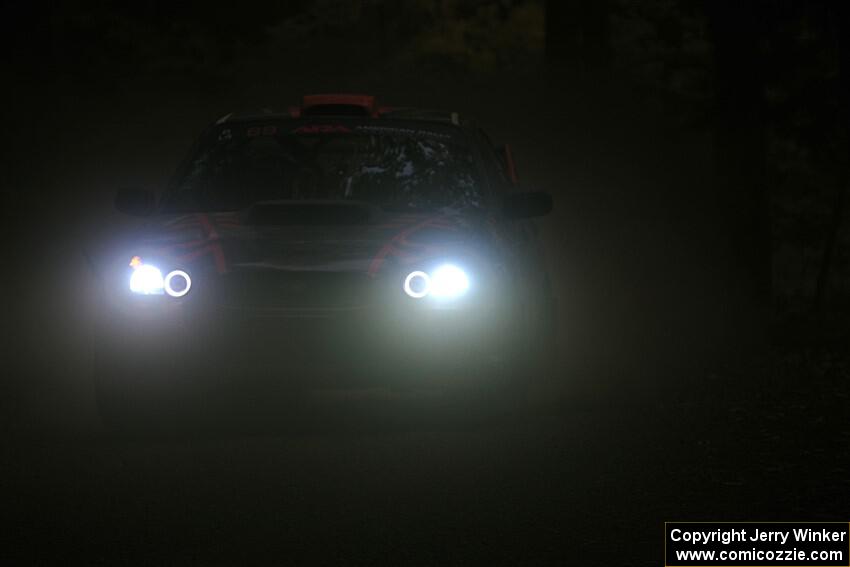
(208, 345)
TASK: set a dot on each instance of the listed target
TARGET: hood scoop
(309, 213)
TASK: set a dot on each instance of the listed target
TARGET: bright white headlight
(146, 280)
(448, 281)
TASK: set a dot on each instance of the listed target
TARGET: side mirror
(526, 205)
(135, 201)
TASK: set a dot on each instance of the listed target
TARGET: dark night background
(698, 156)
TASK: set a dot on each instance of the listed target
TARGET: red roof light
(338, 104)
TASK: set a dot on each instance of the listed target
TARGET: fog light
(177, 283)
(417, 284)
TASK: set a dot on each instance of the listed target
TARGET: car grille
(293, 291)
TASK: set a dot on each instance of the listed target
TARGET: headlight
(447, 281)
(147, 280)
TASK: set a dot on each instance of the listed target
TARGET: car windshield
(391, 166)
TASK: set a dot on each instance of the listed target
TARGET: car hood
(227, 242)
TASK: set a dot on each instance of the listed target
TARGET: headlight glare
(449, 281)
(146, 280)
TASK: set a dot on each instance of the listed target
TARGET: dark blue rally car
(337, 242)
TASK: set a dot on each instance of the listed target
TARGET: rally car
(339, 241)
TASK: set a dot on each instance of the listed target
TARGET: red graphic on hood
(209, 243)
(401, 246)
